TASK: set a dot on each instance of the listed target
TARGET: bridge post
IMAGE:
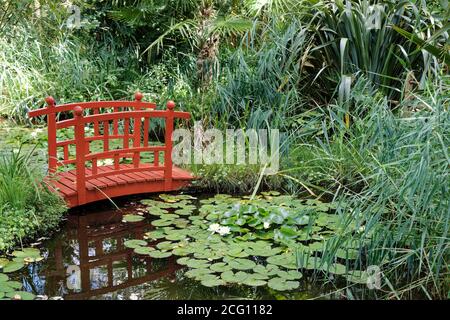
(80, 156)
(51, 134)
(137, 131)
(168, 147)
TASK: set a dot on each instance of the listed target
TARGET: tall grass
(260, 83)
(389, 175)
(27, 207)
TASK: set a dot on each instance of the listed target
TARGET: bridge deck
(118, 185)
(106, 122)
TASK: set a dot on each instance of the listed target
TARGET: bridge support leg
(80, 142)
(168, 152)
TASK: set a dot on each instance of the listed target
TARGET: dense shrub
(27, 207)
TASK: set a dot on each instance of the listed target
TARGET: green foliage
(357, 36)
(10, 289)
(26, 206)
(246, 241)
(392, 171)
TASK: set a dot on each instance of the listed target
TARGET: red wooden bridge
(82, 176)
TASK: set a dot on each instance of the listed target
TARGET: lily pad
(20, 295)
(162, 222)
(199, 264)
(183, 261)
(220, 267)
(159, 254)
(13, 266)
(198, 273)
(290, 275)
(166, 245)
(242, 264)
(132, 218)
(155, 234)
(253, 282)
(143, 250)
(181, 251)
(281, 284)
(132, 244)
(213, 282)
(27, 252)
(287, 261)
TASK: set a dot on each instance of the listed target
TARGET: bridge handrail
(81, 141)
(52, 108)
(122, 115)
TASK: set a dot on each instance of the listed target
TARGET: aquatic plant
(10, 289)
(260, 244)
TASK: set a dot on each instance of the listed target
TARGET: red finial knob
(170, 105)
(50, 101)
(78, 111)
(138, 96)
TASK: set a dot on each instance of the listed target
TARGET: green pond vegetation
(10, 289)
(360, 91)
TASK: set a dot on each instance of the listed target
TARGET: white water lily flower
(224, 231)
(215, 227)
(266, 225)
(134, 296)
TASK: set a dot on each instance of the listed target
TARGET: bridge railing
(120, 124)
(54, 113)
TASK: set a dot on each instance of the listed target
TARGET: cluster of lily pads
(10, 289)
(270, 239)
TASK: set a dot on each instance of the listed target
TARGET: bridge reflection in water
(93, 261)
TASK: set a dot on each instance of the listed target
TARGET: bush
(27, 207)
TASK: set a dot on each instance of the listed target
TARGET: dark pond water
(86, 259)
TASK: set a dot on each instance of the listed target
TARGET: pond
(90, 258)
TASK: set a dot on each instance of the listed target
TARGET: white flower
(361, 229)
(266, 225)
(215, 227)
(34, 134)
(224, 231)
(134, 296)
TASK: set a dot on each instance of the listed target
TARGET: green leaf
(220, 267)
(143, 250)
(440, 53)
(132, 218)
(213, 282)
(159, 254)
(254, 282)
(132, 244)
(290, 275)
(281, 284)
(22, 295)
(13, 266)
(242, 264)
(161, 222)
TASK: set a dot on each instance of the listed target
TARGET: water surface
(87, 259)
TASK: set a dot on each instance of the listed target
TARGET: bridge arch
(83, 175)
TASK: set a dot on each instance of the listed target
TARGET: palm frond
(230, 25)
(256, 7)
(187, 30)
